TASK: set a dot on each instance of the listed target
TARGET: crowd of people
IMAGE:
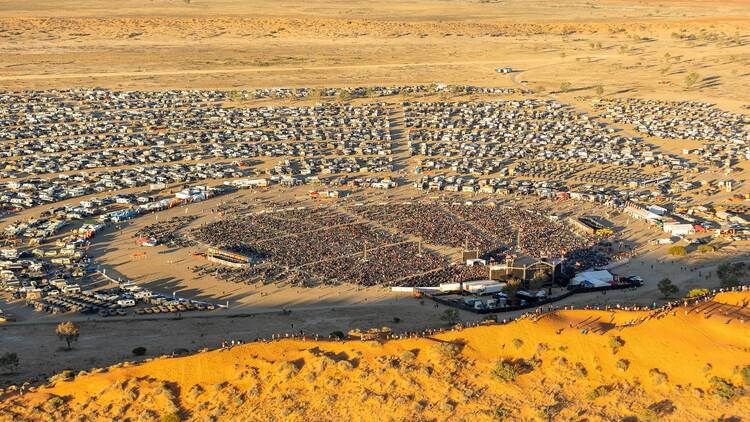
(383, 247)
(488, 229)
(167, 232)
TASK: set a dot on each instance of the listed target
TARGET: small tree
(666, 288)
(9, 361)
(450, 316)
(691, 79)
(67, 331)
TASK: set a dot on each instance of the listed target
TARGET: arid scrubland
(632, 48)
(687, 364)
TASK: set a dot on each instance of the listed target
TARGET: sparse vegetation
(616, 342)
(505, 370)
(597, 392)
(691, 79)
(171, 417)
(622, 365)
(696, 293)
(657, 377)
(745, 373)
(723, 388)
(677, 250)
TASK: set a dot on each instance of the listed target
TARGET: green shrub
(616, 342)
(657, 377)
(622, 365)
(446, 350)
(171, 417)
(721, 387)
(580, 370)
(596, 393)
(677, 250)
(505, 370)
(696, 293)
(745, 372)
(408, 356)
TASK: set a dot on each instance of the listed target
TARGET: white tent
(593, 279)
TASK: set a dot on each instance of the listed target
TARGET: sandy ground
(683, 364)
(232, 44)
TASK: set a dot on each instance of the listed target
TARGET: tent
(592, 279)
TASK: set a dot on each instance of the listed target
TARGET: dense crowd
(314, 246)
(168, 232)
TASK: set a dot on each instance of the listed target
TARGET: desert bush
(505, 370)
(287, 370)
(446, 350)
(195, 391)
(696, 293)
(517, 343)
(597, 392)
(171, 417)
(408, 356)
(622, 365)
(677, 250)
(345, 365)
(541, 348)
(721, 387)
(616, 342)
(65, 375)
(139, 351)
(580, 370)
(325, 362)
(745, 373)
(657, 377)
(54, 403)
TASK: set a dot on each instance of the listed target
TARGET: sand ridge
(671, 367)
